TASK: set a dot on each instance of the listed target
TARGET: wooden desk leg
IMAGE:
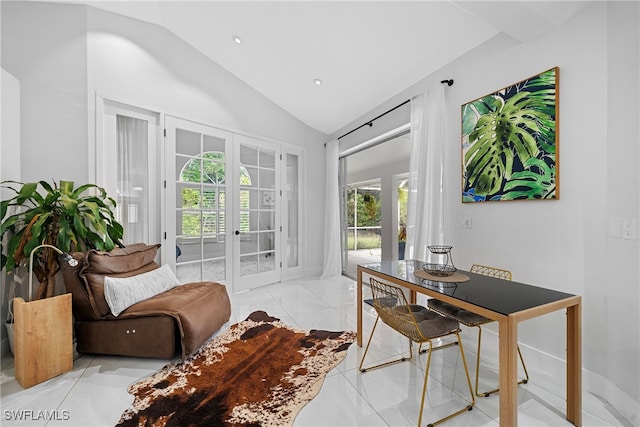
(508, 349)
(574, 364)
(359, 308)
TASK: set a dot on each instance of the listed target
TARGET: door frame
(101, 161)
(165, 218)
(298, 270)
(283, 149)
(388, 251)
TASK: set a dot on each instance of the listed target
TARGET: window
(204, 203)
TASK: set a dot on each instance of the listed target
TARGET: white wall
(145, 65)
(9, 168)
(44, 46)
(65, 54)
(140, 62)
(564, 244)
(10, 128)
(618, 292)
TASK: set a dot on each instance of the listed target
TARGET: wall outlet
(465, 222)
(628, 229)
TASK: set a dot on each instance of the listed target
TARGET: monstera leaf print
(536, 182)
(506, 134)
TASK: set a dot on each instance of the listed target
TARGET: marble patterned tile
(95, 393)
(338, 404)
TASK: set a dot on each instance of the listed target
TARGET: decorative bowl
(438, 249)
(440, 270)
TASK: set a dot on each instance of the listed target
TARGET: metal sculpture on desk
(440, 269)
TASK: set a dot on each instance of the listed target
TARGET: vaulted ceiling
(364, 52)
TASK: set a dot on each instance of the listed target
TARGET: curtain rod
(449, 82)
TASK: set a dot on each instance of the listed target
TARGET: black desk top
(498, 295)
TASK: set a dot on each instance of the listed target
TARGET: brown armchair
(176, 321)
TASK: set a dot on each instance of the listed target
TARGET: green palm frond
(537, 181)
(69, 218)
(505, 131)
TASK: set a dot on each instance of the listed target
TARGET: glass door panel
(292, 215)
(199, 173)
(293, 232)
(257, 226)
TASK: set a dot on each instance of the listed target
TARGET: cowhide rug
(260, 372)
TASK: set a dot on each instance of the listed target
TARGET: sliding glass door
(374, 200)
(363, 224)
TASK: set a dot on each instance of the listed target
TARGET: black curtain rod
(370, 122)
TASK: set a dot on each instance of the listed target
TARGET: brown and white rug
(260, 372)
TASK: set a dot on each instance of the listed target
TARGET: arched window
(209, 169)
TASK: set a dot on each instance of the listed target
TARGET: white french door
(257, 228)
(198, 183)
(222, 204)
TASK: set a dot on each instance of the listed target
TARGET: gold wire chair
(470, 319)
(420, 325)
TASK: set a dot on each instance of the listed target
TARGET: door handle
(237, 232)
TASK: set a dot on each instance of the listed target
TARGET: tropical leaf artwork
(510, 142)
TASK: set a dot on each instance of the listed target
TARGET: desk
(507, 302)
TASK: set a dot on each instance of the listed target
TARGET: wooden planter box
(43, 339)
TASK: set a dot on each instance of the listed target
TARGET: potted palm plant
(38, 223)
(71, 219)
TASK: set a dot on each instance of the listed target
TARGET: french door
(197, 186)
(257, 226)
(222, 204)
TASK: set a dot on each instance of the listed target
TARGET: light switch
(465, 222)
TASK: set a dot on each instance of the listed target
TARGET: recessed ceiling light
(317, 82)
(236, 39)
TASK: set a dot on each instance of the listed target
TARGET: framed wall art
(510, 142)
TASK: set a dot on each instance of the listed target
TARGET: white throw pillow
(123, 292)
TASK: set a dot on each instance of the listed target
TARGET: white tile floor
(94, 393)
(361, 256)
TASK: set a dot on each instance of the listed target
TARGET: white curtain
(132, 196)
(331, 264)
(425, 205)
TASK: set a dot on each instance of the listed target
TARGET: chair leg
(485, 394)
(524, 367)
(402, 359)
(495, 390)
(424, 387)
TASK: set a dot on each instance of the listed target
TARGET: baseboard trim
(549, 372)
